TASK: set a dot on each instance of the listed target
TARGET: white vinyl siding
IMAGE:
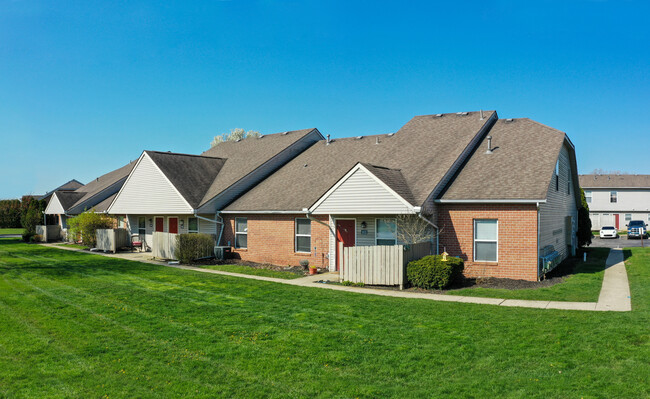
(360, 194)
(147, 191)
(559, 205)
(54, 207)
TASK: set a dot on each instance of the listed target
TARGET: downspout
(215, 221)
(310, 217)
(538, 232)
(418, 211)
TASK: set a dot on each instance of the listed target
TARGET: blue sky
(86, 86)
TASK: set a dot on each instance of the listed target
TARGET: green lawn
(11, 231)
(81, 325)
(256, 272)
(70, 245)
(583, 286)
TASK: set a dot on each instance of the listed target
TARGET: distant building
(614, 200)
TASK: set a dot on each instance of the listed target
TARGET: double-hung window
(241, 233)
(628, 217)
(613, 197)
(588, 196)
(192, 225)
(386, 232)
(303, 235)
(486, 240)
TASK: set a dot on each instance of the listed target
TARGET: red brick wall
(517, 251)
(271, 240)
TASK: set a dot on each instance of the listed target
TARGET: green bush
(31, 214)
(190, 247)
(10, 212)
(84, 226)
(432, 272)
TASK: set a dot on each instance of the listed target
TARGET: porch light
(364, 225)
(150, 222)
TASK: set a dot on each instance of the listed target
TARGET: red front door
(173, 225)
(344, 233)
(160, 224)
(616, 220)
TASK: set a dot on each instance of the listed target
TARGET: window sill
(240, 249)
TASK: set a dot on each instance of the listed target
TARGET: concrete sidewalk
(614, 294)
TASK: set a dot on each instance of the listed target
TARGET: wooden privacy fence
(164, 245)
(380, 264)
(49, 233)
(112, 239)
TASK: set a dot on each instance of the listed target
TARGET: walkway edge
(614, 295)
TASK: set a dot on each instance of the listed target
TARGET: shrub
(190, 247)
(31, 214)
(10, 211)
(304, 263)
(84, 226)
(432, 272)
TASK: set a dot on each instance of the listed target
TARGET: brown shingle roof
(423, 150)
(520, 167)
(190, 174)
(245, 156)
(394, 179)
(615, 181)
(71, 185)
(69, 198)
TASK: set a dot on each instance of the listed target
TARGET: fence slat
(380, 264)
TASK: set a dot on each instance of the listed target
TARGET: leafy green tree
(584, 223)
(10, 212)
(83, 226)
(234, 135)
(31, 215)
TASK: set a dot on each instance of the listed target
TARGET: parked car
(636, 229)
(608, 232)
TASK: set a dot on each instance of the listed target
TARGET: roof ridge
(183, 154)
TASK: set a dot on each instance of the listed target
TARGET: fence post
(339, 258)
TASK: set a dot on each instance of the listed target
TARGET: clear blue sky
(86, 86)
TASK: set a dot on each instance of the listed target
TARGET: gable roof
(244, 156)
(394, 179)
(71, 185)
(94, 191)
(423, 150)
(190, 174)
(615, 181)
(519, 168)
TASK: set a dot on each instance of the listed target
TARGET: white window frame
(626, 217)
(188, 226)
(376, 229)
(241, 233)
(475, 241)
(296, 235)
(613, 195)
(588, 196)
(557, 175)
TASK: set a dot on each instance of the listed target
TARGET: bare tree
(234, 135)
(412, 230)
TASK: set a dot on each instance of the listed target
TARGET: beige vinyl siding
(361, 194)
(559, 204)
(207, 227)
(148, 192)
(54, 207)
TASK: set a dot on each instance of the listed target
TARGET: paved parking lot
(620, 242)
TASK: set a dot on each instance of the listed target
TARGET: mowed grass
(83, 325)
(287, 275)
(70, 245)
(11, 231)
(582, 286)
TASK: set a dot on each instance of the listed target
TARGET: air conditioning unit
(220, 252)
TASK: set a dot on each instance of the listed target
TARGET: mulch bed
(268, 266)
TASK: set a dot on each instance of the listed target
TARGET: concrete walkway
(614, 294)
